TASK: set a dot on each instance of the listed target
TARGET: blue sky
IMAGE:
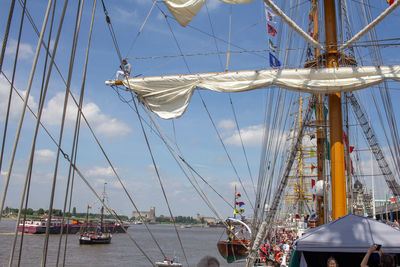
(117, 125)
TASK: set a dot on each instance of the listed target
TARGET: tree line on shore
(40, 213)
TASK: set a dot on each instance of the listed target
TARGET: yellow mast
(335, 118)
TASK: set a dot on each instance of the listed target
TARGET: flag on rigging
(390, 2)
(272, 47)
(238, 195)
(241, 203)
(271, 30)
(273, 61)
(269, 16)
(313, 167)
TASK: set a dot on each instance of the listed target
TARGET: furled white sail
(185, 10)
(169, 96)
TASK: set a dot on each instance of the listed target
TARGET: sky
(153, 51)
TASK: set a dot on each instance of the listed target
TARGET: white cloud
(251, 136)
(226, 125)
(126, 16)
(16, 101)
(25, 49)
(98, 171)
(102, 123)
(44, 155)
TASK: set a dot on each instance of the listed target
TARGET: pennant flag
(393, 200)
(351, 148)
(238, 195)
(235, 211)
(269, 16)
(309, 53)
(271, 30)
(313, 167)
(273, 61)
(312, 186)
(272, 47)
(390, 2)
(241, 211)
(240, 203)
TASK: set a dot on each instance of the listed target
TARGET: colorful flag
(312, 152)
(240, 203)
(241, 210)
(313, 167)
(271, 30)
(269, 16)
(235, 211)
(390, 2)
(272, 47)
(393, 200)
(238, 195)
(309, 53)
(273, 61)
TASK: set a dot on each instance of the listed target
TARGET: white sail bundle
(185, 10)
(169, 96)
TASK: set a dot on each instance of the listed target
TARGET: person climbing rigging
(125, 70)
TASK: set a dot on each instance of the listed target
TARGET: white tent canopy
(351, 234)
(169, 96)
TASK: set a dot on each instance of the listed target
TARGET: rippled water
(197, 242)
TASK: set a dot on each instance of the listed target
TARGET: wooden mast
(320, 120)
(335, 117)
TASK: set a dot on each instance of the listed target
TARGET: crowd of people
(277, 248)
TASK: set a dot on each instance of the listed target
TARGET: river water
(197, 242)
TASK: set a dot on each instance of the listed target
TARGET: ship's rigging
(269, 163)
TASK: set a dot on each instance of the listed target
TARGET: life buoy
(279, 256)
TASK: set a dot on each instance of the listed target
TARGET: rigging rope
(17, 135)
(229, 38)
(67, 91)
(141, 27)
(78, 171)
(13, 74)
(213, 34)
(159, 178)
(5, 38)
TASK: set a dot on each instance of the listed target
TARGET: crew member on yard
(125, 70)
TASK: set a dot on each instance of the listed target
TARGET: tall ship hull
(232, 250)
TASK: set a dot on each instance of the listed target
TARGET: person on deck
(125, 70)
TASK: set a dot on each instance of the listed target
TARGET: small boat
(95, 238)
(167, 262)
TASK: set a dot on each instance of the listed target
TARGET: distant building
(149, 216)
(208, 220)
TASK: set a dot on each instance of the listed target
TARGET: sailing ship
(100, 235)
(236, 247)
(330, 75)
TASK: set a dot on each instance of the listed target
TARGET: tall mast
(320, 120)
(335, 117)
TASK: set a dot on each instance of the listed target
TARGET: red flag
(313, 167)
(271, 30)
(390, 2)
(393, 200)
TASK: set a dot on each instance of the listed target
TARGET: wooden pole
(335, 118)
